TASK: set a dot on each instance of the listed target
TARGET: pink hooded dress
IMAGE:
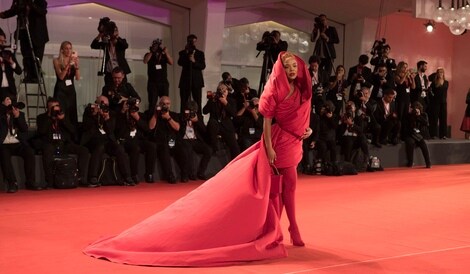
(229, 219)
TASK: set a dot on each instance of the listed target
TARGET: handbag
(276, 181)
(465, 124)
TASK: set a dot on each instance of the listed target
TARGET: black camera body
(189, 114)
(214, 95)
(378, 47)
(102, 106)
(156, 45)
(18, 105)
(251, 104)
(318, 23)
(133, 104)
(56, 112)
(5, 52)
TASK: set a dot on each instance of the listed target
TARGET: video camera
(378, 47)
(107, 28)
(267, 40)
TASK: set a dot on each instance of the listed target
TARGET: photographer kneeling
(55, 133)
(416, 131)
(131, 132)
(222, 110)
(99, 123)
(119, 90)
(194, 134)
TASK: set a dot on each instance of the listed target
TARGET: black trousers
(199, 147)
(156, 90)
(389, 129)
(134, 148)
(25, 152)
(164, 153)
(27, 52)
(325, 146)
(112, 149)
(410, 145)
(214, 128)
(348, 143)
(437, 118)
(48, 153)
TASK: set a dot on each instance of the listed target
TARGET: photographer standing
(416, 132)
(193, 62)
(99, 123)
(8, 66)
(119, 90)
(272, 45)
(67, 69)
(380, 56)
(13, 141)
(325, 38)
(114, 49)
(131, 132)
(56, 135)
(31, 14)
(157, 60)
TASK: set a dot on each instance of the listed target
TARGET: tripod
(321, 50)
(41, 94)
(265, 71)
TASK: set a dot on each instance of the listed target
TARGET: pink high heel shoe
(295, 238)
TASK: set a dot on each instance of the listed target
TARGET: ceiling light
(429, 26)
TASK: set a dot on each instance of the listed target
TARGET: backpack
(338, 168)
(65, 172)
(374, 164)
(109, 174)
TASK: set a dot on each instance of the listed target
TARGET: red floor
(396, 221)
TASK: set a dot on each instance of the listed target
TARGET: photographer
(32, 14)
(319, 81)
(380, 56)
(8, 66)
(56, 136)
(193, 133)
(250, 124)
(325, 37)
(387, 118)
(366, 119)
(157, 60)
(165, 126)
(351, 135)
(232, 84)
(272, 45)
(13, 141)
(381, 81)
(99, 123)
(420, 93)
(193, 62)
(359, 76)
(119, 90)
(327, 133)
(337, 90)
(131, 132)
(222, 110)
(114, 47)
(416, 133)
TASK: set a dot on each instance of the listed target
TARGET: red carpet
(396, 221)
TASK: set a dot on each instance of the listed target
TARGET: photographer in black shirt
(131, 132)
(157, 60)
(272, 45)
(56, 136)
(119, 91)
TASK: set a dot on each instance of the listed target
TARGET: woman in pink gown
(231, 218)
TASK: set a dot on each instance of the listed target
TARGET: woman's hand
(271, 155)
(307, 133)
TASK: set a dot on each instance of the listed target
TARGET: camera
(318, 23)
(18, 105)
(104, 108)
(161, 109)
(107, 28)
(267, 40)
(190, 46)
(133, 104)
(56, 112)
(156, 45)
(214, 95)
(5, 53)
(189, 114)
(378, 47)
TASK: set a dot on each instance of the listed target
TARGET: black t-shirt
(157, 68)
